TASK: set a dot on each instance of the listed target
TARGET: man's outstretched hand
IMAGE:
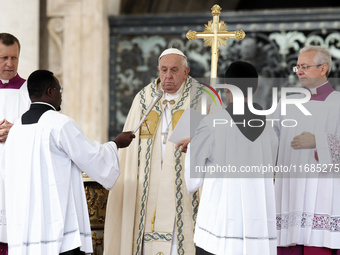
(124, 139)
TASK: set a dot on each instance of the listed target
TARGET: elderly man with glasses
(307, 203)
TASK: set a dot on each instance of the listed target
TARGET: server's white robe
(45, 198)
(307, 197)
(13, 103)
(237, 210)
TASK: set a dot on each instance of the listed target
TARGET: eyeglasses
(303, 67)
(60, 90)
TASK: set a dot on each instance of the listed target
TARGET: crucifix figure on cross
(215, 35)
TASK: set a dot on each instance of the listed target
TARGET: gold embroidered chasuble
(150, 197)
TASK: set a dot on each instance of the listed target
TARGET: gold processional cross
(215, 36)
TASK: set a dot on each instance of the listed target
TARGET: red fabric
(3, 249)
(14, 83)
(296, 250)
(306, 250)
(316, 156)
(309, 250)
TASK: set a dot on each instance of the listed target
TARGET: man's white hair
(322, 56)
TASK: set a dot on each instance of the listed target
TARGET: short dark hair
(243, 75)
(39, 81)
(9, 39)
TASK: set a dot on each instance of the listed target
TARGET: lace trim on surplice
(334, 147)
(308, 220)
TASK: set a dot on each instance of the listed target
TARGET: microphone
(156, 98)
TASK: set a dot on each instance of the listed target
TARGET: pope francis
(149, 211)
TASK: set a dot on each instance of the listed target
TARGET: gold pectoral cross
(215, 35)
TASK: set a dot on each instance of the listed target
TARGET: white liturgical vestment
(45, 198)
(307, 197)
(236, 215)
(14, 101)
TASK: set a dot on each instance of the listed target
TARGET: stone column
(79, 36)
(21, 19)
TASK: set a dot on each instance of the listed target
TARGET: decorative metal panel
(272, 43)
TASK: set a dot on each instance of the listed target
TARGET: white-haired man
(308, 210)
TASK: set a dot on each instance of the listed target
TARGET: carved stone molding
(83, 43)
(55, 28)
(62, 7)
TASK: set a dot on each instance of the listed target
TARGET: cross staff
(215, 35)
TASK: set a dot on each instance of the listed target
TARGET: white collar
(7, 81)
(314, 90)
(45, 104)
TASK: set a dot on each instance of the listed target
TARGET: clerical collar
(15, 83)
(37, 109)
(314, 90)
(45, 104)
(321, 92)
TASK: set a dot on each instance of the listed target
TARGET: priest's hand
(5, 126)
(124, 139)
(305, 140)
(184, 143)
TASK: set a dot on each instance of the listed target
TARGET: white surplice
(13, 103)
(307, 198)
(236, 215)
(45, 198)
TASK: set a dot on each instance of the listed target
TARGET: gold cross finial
(215, 35)
(216, 10)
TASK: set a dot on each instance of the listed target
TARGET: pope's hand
(184, 143)
(124, 139)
